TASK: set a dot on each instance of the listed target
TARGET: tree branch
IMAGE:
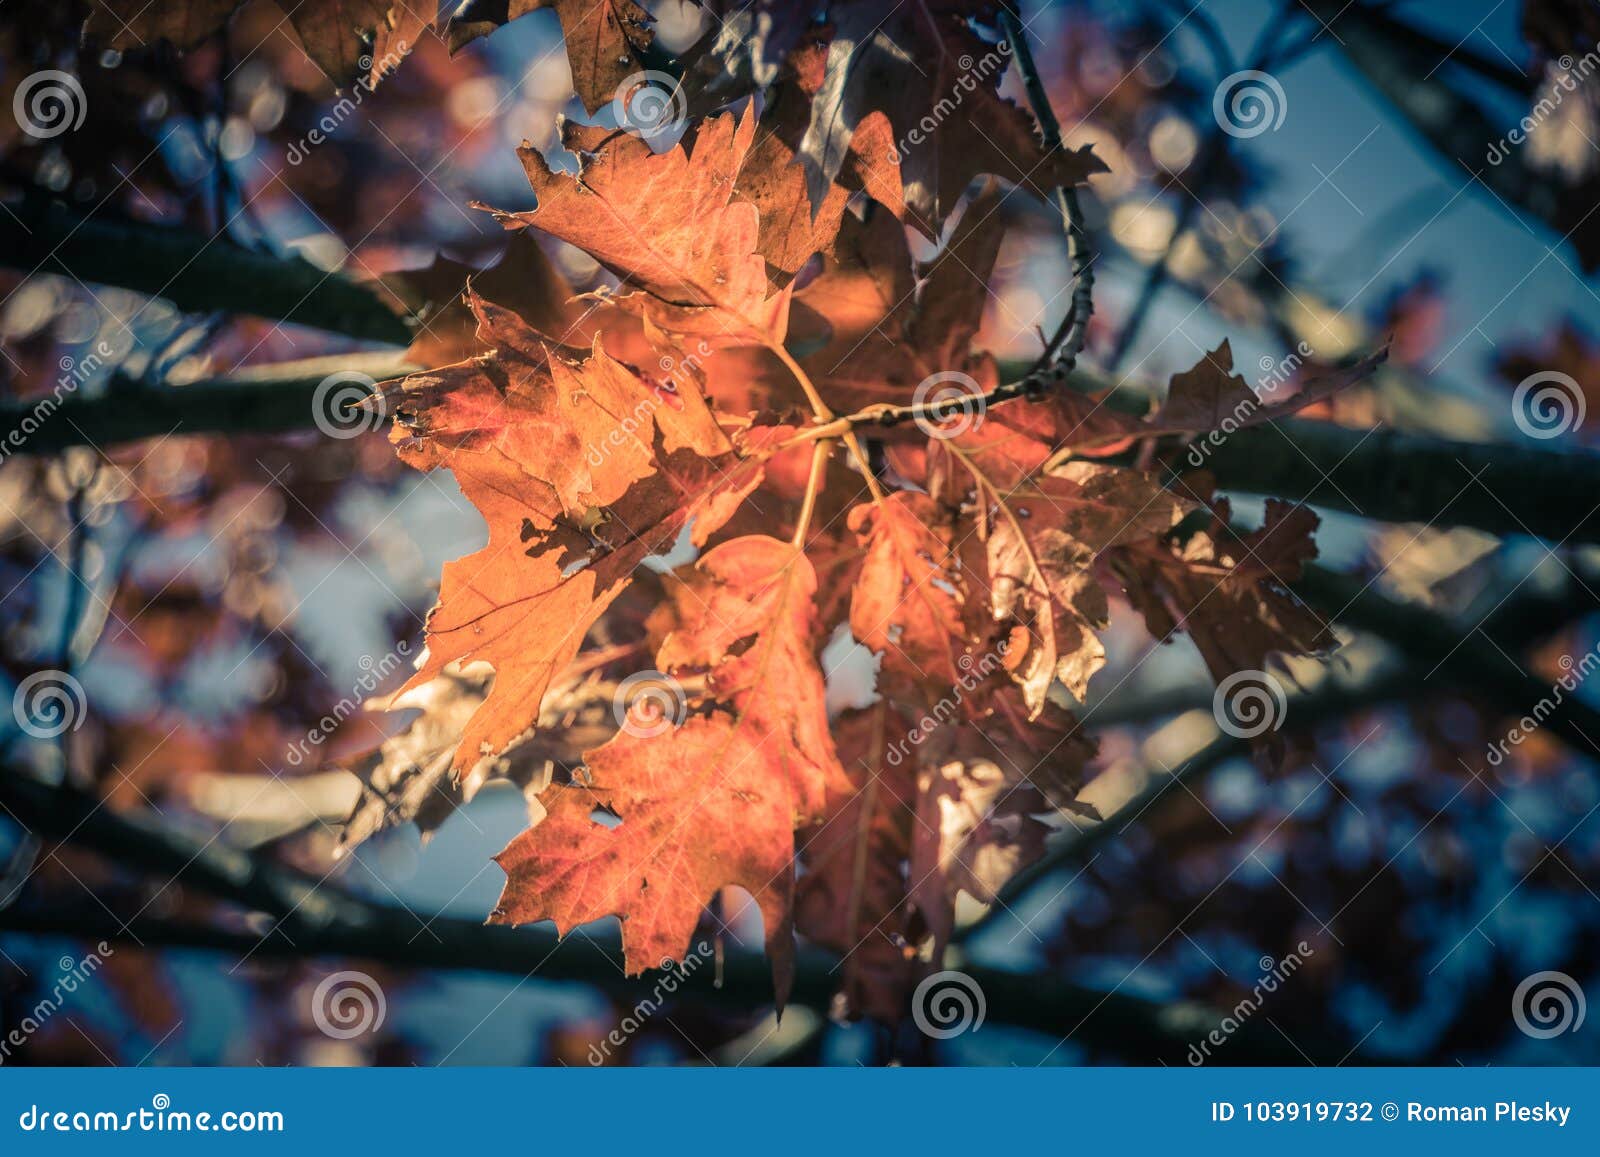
(1397, 476)
(196, 273)
(274, 400)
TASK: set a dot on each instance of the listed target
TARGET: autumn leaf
(581, 468)
(793, 228)
(892, 325)
(522, 280)
(670, 225)
(906, 603)
(976, 829)
(410, 778)
(746, 621)
(1230, 593)
(700, 809)
(1210, 396)
(1045, 535)
(752, 759)
(853, 895)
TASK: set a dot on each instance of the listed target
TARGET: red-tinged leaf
(713, 801)
(701, 807)
(523, 280)
(409, 777)
(906, 604)
(1231, 593)
(581, 469)
(669, 224)
(852, 897)
(746, 620)
(1210, 396)
(1012, 442)
(792, 227)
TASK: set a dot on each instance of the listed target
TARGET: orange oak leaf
(906, 604)
(581, 469)
(792, 228)
(671, 225)
(975, 830)
(891, 326)
(853, 897)
(523, 280)
(1210, 396)
(746, 620)
(701, 808)
(750, 759)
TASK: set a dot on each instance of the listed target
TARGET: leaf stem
(819, 468)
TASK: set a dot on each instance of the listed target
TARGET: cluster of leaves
(745, 390)
(700, 401)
